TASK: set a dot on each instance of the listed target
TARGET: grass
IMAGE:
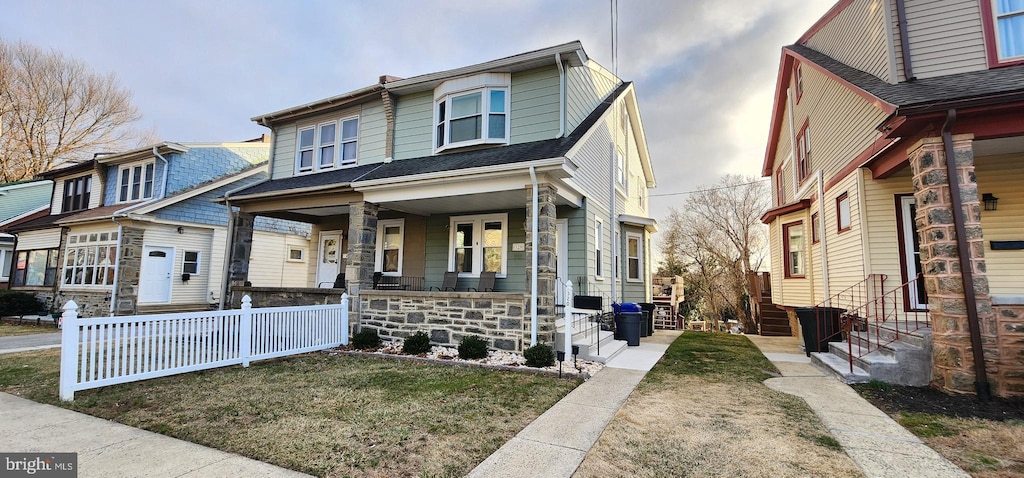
(319, 414)
(11, 329)
(704, 411)
(983, 448)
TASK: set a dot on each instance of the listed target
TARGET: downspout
(901, 19)
(534, 258)
(981, 385)
(821, 234)
(120, 229)
(561, 95)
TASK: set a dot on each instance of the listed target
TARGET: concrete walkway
(24, 343)
(108, 449)
(559, 439)
(875, 442)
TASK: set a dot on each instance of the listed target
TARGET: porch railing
(105, 351)
(882, 321)
(827, 326)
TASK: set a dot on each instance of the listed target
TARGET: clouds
(704, 70)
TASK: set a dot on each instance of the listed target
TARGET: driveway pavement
(24, 343)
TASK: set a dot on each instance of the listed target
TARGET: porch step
(774, 321)
(588, 340)
(839, 367)
(901, 362)
(171, 308)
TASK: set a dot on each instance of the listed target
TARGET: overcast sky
(704, 70)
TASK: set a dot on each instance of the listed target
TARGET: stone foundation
(499, 317)
(284, 297)
(1009, 322)
(91, 304)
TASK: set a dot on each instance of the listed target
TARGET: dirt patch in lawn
(703, 411)
(984, 438)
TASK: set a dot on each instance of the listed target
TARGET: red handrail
(889, 310)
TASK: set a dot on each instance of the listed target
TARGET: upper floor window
(76, 194)
(798, 81)
(803, 152)
(1008, 23)
(475, 117)
(136, 182)
(780, 190)
(327, 145)
(621, 172)
(843, 212)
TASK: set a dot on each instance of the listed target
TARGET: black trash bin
(648, 309)
(627, 322)
(819, 326)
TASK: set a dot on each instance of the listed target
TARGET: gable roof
(494, 156)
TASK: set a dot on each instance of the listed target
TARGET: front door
(561, 259)
(329, 264)
(155, 274)
(910, 248)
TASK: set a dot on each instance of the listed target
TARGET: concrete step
(898, 362)
(588, 345)
(839, 367)
(886, 332)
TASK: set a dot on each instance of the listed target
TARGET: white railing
(111, 350)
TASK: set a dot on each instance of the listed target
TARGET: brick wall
(498, 317)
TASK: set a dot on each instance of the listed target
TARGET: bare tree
(53, 109)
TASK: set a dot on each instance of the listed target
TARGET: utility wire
(708, 190)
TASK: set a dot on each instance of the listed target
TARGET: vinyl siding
(414, 125)
(845, 253)
(45, 239)
(95, 194)
(373, 128)
(436, 253)
(633, 290)
(598, 285)
(372, 131)
(218, 243)
(193, 239)
(534, 105)
(857, 37)
(945, 38)
(22, 198)
(1002, 176)
(586, 87)
(577, 246)
(795, 292)
(269, 265)
(883, 251)
(283, 162)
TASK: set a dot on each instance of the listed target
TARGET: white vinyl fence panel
(111, 350)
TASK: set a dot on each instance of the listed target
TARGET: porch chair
(486, 283)
(339, 282)
(451, 279)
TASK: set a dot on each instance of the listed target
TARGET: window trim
(84, 242)
(617, 252)
(815, 225)
(68, 200)
(798, 80)
(780, 187)
(787, 266)
(839, 216)
(198, 262)
(990, 27)
(639, 257)
(598, 248)
(382, 225)
(338, 161)
(802, 146)
(485, 113)
(127, 180)
(302, 253)
(6, 272)
(478, 221)
(52, 256)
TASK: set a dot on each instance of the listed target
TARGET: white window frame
(338, 145)
(198, 261)
(618, 255)
(485, 113)
(478, 222)
(136, 171)
(598, 249)
(379, 258)
(6, 255)
(631, 236)
(82, 245)
(1000, 47)
(302, 254)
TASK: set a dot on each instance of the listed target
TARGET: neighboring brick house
(408, 179)
(869, 104)
(138, 232)
(19, 201)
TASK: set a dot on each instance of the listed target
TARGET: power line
(708, 190)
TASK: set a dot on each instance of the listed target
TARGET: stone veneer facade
(284, 297)
(128, 270)
(447, 317)
(546, 268)
(1009, 321)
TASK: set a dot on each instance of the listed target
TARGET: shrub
(20, 303)
(415, 344)
(366, 339)
(539, 355)
(472, 347)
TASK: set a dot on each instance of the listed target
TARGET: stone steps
(906, 361)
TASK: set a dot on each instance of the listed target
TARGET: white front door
(561, 259)
(329, 263)
(155, 274)
(916, 299)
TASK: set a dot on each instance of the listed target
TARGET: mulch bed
(905, 399)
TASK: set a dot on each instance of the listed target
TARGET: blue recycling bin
(628, 316)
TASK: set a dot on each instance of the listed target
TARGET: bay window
(89, 259)
(321, 147)
(478, 244)
(468, 118)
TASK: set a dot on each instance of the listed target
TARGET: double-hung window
(76, 194)
(1005, 32)
(390, 241)
(89, 259)
(136, 182)
(843, 221)
(598, 247)
(190, 263)
(793, 248)
(634, 256)
(321, 147)
(478, 244)
(803, 152)
(474, 117)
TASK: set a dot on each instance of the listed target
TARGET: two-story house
(19, 201)
(138, 232)
(870, 217)
(460, 173)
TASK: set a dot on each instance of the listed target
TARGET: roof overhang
(145, 152)
(773, 213)
(647, 223)
(343, 100)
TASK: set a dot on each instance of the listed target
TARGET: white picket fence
(111, 350)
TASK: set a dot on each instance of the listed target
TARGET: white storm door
(917, 299)
(329, 259)
(155, 274)
(561, 259)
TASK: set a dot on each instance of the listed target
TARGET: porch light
(991, 202)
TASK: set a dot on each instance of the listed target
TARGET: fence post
(344, 318)
(245, 330)
(567, 340)
(69, 351)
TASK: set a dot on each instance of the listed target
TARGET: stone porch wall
(1009, 323)
(91, 304)
(284, 297)
(498, 317)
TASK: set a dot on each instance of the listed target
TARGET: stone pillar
(952, 359)
(545, 243)
(241, 247)
(128, 270)
(362, 244)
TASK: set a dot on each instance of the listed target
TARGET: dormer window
(472, 110)
(135, 181)
(76, 194)
(321, 147)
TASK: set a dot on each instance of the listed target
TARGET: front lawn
(327, 415)
(8, 329)
(704, 411)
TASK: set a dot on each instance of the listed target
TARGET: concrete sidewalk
(25, 343)
(875, 442)
(108, 449)
(558, 440)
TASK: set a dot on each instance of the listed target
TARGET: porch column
(545, 243)
(128, 267)
(952, 355)
(241, 246)
(362, 244)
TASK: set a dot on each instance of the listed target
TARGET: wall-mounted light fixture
(181, 230)
(991, 202)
